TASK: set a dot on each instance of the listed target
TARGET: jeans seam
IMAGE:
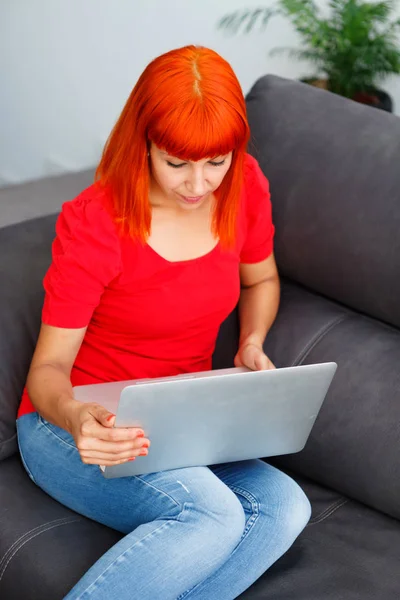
(165, 524)
(255, 507)
(27, 537)
(162, 492)
(27, 469)
(41, 420)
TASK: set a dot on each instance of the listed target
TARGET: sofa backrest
(27, 217)
(334, 167)
(25, 249)
(41, 197)
(334, 170)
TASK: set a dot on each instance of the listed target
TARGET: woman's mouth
(191, 200)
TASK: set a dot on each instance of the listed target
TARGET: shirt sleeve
(258, 243)
(85, 259)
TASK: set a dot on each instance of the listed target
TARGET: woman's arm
(258, 306)
(91, 425)
(48, 384)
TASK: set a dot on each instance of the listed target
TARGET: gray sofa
(334, 170)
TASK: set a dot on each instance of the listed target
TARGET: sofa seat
(341, 550)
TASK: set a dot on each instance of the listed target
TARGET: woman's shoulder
(91, 201)
(250, 163)
(255, 185)
(256, 214)
(253, 175)
(88, 212)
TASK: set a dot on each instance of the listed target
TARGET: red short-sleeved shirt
(145, 316)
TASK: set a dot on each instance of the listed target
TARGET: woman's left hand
(253, 357)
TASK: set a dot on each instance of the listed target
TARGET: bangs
(198, 130)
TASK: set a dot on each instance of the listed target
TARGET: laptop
(218, 416)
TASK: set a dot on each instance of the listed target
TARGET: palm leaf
(310, 55)
(379, 11)
(246, 20)
(357, 44)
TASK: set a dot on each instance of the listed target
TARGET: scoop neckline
(187, 261)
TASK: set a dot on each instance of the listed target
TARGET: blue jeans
(201, 533)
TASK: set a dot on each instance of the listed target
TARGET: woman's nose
(197, 184)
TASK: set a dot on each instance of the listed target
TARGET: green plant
(352, 48)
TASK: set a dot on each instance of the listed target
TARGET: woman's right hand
(98, 442)
(91, 425)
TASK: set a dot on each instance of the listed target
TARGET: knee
(293, 507)
(300, 511)
(219, 512)
(226, 516)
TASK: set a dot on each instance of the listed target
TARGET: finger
(269, 365)
(107, 419)
(237, 361)
(92, 428)
(249, 358)
(106, 463)
(121, 434)
(261, 362)
(100, 457)
(102, 415)
(95, 445)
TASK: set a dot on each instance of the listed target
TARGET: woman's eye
(210, 162)
(170, 164)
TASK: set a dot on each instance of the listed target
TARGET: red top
(146, 316)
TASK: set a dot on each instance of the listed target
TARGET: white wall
(67, 67)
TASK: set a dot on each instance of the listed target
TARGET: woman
(147, 263)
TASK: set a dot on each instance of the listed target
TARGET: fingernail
(134, 458)
(143, 452)
(110, 417)
(146, 445)
(140, 434)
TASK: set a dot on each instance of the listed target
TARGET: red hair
(188, 102)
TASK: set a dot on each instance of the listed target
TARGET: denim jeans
(200, 533)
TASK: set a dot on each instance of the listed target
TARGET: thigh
(53, 462)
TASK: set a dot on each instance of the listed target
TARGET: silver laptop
(215, 416)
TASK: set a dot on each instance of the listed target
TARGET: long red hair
(188, 102)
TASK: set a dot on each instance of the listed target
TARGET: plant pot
(319, 83)
(374, 97)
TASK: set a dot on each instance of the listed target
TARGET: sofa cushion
(334, 170)
(353, 446)
(27, 247)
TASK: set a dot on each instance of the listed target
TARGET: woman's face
(185, 183)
